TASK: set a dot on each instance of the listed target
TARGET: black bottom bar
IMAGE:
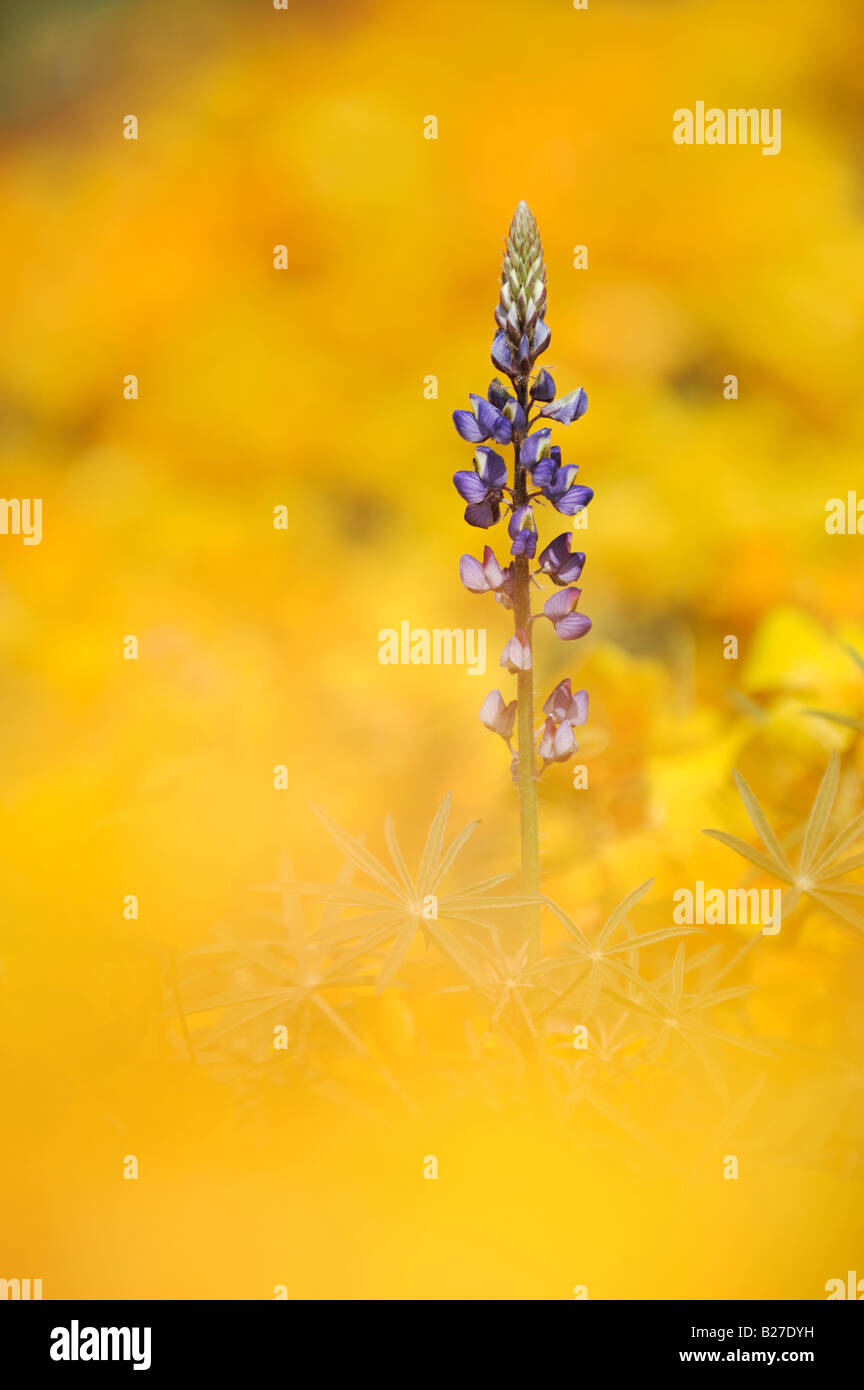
(67, 1338)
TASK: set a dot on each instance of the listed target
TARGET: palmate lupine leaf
(841, 842)
(292, 994)
(508, 976)
(677, 982)
(394, 849)
(609, 1049)
(840, 909)
(621, 1120)
(674, 1010)
(501, 976)
(755, 856)
(855, 890)
(617, 915)
(355, 851)
(600, 962)
(433, 847)
(509, 983)
(396, 910)
(678, 1018)
(818, 818)
(847, 720)
(709, 987)
(760, 821)
(297, 983)
(732, 1119)
(620, 912)
(695, 1033)
(819, 876)
(459, 953)
(455, 849)
(292, 972)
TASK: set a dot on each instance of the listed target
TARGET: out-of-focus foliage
(258, 647)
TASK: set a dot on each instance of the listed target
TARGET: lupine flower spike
(520, 413)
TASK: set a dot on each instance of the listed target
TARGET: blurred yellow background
(304, 387)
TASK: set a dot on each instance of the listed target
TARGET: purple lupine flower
(557, 561)
(563, 705)
(516, 415)
(570, 407)
(536, 447)
(543, 471)
(508, 405)
(522, 334)
(522, 529)
(482, 421)
(516, 655)
(482, 489)
(542, 338)
(498, 716)
(574, 500)
(504, 357)
(505, 416)
(505, 594)
(544, 387)
(557, 485)
(557, 742)
(484, 578)
(560, 610)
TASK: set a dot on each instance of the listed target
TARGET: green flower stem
(527, 754)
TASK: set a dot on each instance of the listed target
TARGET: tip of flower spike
(523, 226)
(522, 333)
(523, 213)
